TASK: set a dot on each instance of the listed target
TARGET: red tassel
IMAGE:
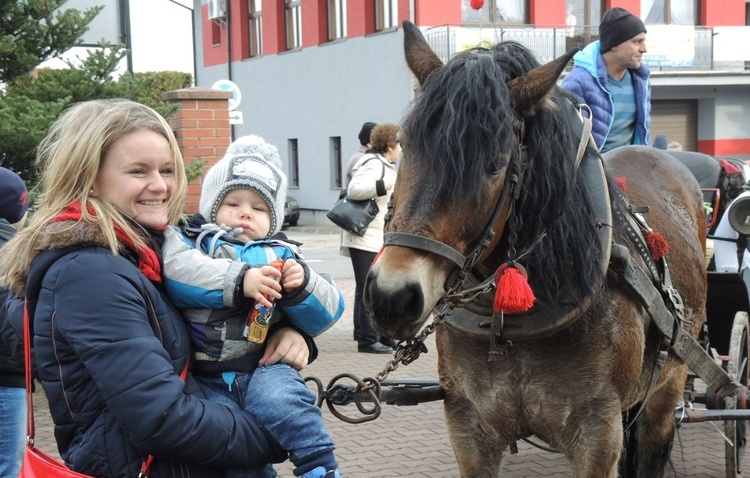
(657, 245)
(621, 182)
(477, 4)
(513, 292)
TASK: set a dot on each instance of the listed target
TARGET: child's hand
(263, 280)
(292, 275)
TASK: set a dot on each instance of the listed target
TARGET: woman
(373, 176)
(109, 346)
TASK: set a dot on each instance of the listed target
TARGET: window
(336, 161)
(293, 25)
(386, 14)
(588, 15)
(669, 12)
(294, 163)
(255, 28)
(215, 34)
(496, 11)
(336, 19)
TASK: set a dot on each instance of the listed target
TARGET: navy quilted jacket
(109, 349)
(588, 81)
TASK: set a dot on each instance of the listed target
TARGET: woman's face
(137, 176)
(393, 152)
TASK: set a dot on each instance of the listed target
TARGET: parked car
(291, 211)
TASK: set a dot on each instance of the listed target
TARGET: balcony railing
(670, 47)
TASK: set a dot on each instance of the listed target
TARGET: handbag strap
(382, 166)
(30, 432)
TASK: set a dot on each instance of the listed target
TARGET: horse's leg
(476, 455)
(594, 445)
(655, 428)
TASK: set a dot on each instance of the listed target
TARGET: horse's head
(463, 143)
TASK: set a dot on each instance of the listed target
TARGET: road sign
(235, 117)
(226, 85)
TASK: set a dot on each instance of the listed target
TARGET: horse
(491, 180)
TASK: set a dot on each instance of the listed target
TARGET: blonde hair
(69, 159)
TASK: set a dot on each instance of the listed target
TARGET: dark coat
(109, 350)
(11, 338)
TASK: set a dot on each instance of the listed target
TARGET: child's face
(245, 209)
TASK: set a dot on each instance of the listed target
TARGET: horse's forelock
(464, 121)
(462, 124)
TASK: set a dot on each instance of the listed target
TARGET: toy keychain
(257, 325)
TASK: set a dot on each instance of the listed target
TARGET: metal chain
(410, 350)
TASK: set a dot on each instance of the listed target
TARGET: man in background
(609, 77)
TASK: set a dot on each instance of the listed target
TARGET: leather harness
(467, 305)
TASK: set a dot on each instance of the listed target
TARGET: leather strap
(687, 349)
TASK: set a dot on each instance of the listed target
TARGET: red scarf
(148, 261)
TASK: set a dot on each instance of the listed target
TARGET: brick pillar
(202, 129)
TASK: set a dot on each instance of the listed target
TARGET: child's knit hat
(249, 163)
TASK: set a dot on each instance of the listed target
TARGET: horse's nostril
(388, 309)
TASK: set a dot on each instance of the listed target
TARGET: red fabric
(148, 261)
(477, 4)
(657, 245)
(513, 293)
(729, 167)
(622, 183)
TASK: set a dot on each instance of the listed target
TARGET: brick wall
(202, 129)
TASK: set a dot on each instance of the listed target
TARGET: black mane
(463, 128)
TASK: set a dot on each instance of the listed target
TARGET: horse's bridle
(456, 293)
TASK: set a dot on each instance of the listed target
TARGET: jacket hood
(66, 235)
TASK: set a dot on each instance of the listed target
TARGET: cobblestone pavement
(411, 441)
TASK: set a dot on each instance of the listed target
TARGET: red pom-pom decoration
(513, 292)
(621, 182)
(477, 4)
(657, 245)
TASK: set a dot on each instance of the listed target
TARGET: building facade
(307, 73)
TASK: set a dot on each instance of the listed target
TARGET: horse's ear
(421, 59)
(530, 90)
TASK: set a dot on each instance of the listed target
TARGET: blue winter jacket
(109, 350)
(588, 81)
(206, 283)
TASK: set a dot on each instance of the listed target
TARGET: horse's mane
(463, 128)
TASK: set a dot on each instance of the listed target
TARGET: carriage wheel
(738, 369)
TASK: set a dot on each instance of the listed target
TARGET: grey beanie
(618, 25)
(249, 163)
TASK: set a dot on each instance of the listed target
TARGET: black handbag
(352, 215)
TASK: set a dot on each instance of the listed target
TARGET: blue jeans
(278, 398)
(12, 429)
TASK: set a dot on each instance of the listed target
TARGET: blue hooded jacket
(588, 81)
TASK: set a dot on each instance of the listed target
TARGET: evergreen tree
(32, 31)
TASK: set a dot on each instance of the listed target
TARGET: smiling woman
(108, 342)
(137, 177)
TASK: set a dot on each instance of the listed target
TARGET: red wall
(436, 12)
(633, 6)
(544, 12)
(356, 11)
(722, 12)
